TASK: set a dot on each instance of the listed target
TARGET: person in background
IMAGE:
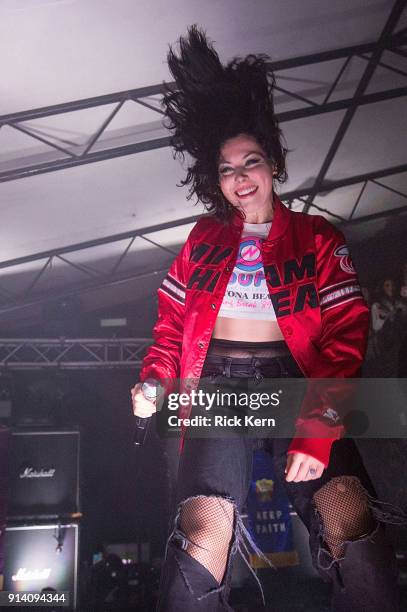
(388, 319)
(402, 371)
(388, 307)
(403, 289)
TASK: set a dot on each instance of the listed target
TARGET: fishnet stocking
(343, 507)
(208, 523)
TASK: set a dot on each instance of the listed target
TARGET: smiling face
(246, 177)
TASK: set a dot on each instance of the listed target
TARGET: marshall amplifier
(44, 474)
(42, 557)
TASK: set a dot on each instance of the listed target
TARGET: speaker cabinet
(44, 474)
(42, 556)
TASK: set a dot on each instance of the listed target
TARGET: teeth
(246, 191)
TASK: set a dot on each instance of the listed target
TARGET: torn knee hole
(343, 508)
(207, 515)
(204, 529)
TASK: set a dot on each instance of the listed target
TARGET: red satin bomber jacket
(315, 293)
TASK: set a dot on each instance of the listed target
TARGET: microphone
(149, 389)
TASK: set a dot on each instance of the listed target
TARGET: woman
(306, 318)
(388, 306)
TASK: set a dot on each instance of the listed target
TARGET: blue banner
(269, 520)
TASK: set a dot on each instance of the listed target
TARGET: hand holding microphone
(144, 396)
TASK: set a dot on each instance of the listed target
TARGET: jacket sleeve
(162, 360)
(341, 346)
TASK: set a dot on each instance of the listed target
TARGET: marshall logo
(30, 472)
(35, 574)
(292, 270)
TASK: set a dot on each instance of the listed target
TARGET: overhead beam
(90, 286)
(80, 246)
(88, 156)
(21, 303)
(80, 160)
(158, 143)
(333, 54)
(158, 89)
(71, 353)
(390, 25)
(337, 105)
(326, 186)
(391, 212)
(75, 105)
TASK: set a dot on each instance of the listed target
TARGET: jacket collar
(281, 219)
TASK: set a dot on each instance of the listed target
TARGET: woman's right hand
(142, 407)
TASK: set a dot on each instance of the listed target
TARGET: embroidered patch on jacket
(345, 263)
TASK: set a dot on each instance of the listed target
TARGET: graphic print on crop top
(247, 295)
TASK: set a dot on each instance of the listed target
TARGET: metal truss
(373, 62)
(69, 354)
(92, 279)
(95, 151)
(150, 96)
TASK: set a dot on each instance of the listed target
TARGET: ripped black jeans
(365, 578)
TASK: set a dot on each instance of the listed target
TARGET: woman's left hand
(301, 467)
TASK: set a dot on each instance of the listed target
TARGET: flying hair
(211, 103)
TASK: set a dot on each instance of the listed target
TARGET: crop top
(247, 295)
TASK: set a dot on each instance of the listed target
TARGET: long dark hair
(211, 103)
